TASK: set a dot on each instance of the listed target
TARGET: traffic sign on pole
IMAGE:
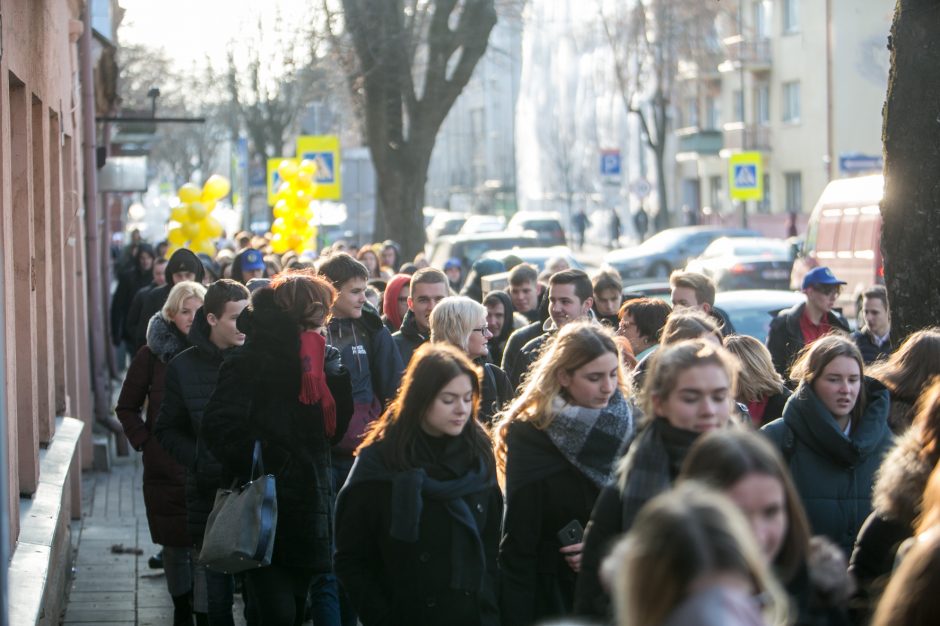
(610, 162)
(324, 151)
(746, 176)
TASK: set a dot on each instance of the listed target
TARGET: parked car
(537, 256)
(746, 263)
(749, 311)
(443, 224)
(660, 290)
(546, 225)
(477, 224)
(659, 255)
(469, 248)
(844, 233)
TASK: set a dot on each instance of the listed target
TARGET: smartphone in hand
(571, 534)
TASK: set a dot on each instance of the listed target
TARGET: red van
(844, 233)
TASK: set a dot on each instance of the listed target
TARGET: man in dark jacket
(806, 322)
(874, 339)
(428, 287)
(190, 380)
(183, 265)
(499, 313)
(134, 309)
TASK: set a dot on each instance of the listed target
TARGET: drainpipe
(96, 318)
(829, 105)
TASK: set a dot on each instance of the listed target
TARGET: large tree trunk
(911, 207)
(401, 199)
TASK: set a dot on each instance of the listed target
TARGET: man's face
(495, 317)
(249, 274)
(607, 302)
(877, 317)
(388, 257)
(402, 303)
(159, 273)
(179, 277)
(685, 298)
(822, 297)
(350, 299)
(453, 274)
(424, 297)
(525, 297)
(224, 332)
(564, 305)
(145, 261)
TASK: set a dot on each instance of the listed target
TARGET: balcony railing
(741, 136)
(752, 54)
(699, 141)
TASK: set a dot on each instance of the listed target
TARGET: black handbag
(240, 530)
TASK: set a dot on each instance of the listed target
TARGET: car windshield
(769, 248)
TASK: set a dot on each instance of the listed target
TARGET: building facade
(802, 82)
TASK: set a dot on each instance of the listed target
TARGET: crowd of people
(545, 453)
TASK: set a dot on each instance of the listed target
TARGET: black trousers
(277, 594)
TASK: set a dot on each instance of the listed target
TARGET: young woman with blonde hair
(461, 322)
(555, 446)
(689, 390)
(760, 388)
(691, 560)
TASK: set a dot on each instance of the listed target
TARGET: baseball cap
(452, 263)
(821, 276)
(252, 260)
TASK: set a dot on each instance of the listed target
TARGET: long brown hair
(723, 458)
(431, 368)
(913, 364)
(758, 377)
(815, 357)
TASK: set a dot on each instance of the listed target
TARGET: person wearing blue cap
(248, 264)
(454, 270)
(804, 323)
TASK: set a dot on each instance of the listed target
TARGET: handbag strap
(257, 463)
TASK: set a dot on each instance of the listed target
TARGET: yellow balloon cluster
(292, 227)
(191, 223)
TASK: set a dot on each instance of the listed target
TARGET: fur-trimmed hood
(164, 339)
(900, 482)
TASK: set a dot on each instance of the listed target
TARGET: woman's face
(479, 338)
(763, 501)
(838, 385)
(145, 260)
(371, 262)
(183, 319)
(592, 384)
(451, 409)
(700, 401)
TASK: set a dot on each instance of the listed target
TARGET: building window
(762, 104)
(794, 186)
(791, 16)
(791, 102)
(761, 21)
(714, 193)
(738, 96)
(691, 111)
(764, 205)
(712, 113)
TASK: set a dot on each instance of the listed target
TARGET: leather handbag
(240, 530)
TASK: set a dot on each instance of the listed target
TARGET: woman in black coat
(417, 524)
(130, 281)
(287, 389)
(556, 446)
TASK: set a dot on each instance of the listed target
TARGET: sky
(190, 30)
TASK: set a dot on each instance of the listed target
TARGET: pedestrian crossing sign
(324, 151)
(746, 176)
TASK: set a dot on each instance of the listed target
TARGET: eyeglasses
(828, 290)
(483, 330)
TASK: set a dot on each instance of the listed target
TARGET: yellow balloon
(304, 180)
(203, 245)
(180, 213)
(189, 193)
(210, 228)
(279, 244)
(279, 226)
(300, 222)
(176, 236)
(197, 211)
(295, 241)
(281, 208)
(191, 230)
(307, 167)
(287, 169)
(303, 197)
(216, 188)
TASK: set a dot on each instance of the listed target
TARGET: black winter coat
(871, 351)
(496, 392)
(833, 474)
(544, 493)
(190, 379)
(513, 351)
(144, 384)
(130, 282)
(785, 339)
(394, 582)
(408, 338)
(257, 398)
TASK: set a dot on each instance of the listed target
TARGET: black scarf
(410, 488)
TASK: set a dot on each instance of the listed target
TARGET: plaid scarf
(590, 438)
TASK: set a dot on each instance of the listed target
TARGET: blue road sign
(610, 163)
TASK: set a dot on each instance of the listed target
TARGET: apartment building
(802, 82)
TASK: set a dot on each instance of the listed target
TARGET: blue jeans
(328, 603)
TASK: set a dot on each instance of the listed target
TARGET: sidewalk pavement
(112, 588)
